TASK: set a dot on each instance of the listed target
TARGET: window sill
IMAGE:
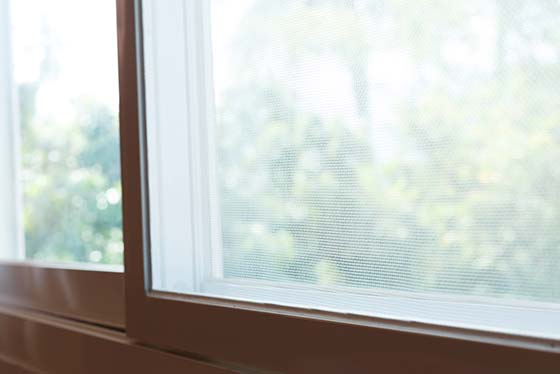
(93, 295)
(34, 342)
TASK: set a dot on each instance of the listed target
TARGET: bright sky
(82, 35)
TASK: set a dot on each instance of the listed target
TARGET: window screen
(386, 158)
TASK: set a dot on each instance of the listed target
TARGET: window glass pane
(363, 156)
(65, 94)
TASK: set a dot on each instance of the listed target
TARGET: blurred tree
(71, 175)
(468, 202)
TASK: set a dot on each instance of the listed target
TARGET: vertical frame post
(11, 233)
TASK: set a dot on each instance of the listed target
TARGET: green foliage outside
(467, 203)
(71, 183)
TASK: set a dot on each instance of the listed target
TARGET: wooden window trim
(34, 342)
(95, 296)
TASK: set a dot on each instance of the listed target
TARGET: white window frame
(11, 238)
(261, 335)
(181, 202)
(88, 293)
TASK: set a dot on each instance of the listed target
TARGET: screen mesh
(371, 146)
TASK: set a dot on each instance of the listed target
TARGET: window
(355, 157)
(311, 178)
(308, 186)
(64, 144)
(60, 211)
